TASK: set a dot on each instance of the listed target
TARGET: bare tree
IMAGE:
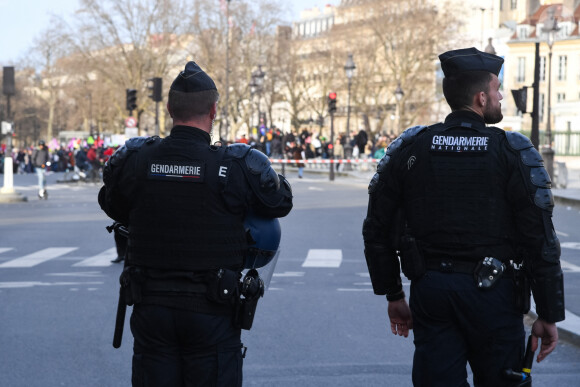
(397, 43)
(124, 43)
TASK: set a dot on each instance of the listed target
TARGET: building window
(514, 4)
(562, 67)
(521, 77)
(542, 68)
(523, 32)
(560, 97)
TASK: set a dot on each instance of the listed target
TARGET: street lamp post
(550, 27)
(399, 93)
(256, 87)
(349, 68)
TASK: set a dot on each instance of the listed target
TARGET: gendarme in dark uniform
(184, 202)
(468, 209)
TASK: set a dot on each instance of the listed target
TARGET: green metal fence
(566, 142)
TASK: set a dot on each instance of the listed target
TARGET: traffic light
(131, 99)
(155, 86)
(521, 98)
(331, 102)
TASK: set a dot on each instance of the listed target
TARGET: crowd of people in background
(89, 159)
(85, 160)
(307, 144)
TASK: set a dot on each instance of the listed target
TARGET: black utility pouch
(222, 285)
(522, 291)
(251, 291)
(412, 261)
(487, 272)
(131, 284)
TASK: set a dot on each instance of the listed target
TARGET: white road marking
(38, 257)
(78, 274)
(5, 249)
(562, 233)
(569, 267)
(571, 245)
(29, 284)
(289, 274)
(323, 258)
(101, 260)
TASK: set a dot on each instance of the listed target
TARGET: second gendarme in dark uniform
(468, 209)
(184, 202)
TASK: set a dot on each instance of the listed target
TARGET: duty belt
(447, 265)
(451, 266)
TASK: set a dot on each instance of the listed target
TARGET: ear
(169, 110)
(480, 99)
(213, 111)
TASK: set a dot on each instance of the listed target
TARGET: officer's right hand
(400, 316)
(549, 335)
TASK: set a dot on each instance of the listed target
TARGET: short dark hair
(185, 106)
(460, 89)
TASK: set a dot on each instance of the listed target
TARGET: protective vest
(179, 220)
(456, 203)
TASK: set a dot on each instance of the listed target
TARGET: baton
(525, 375)
(119, 320)
(121, 305)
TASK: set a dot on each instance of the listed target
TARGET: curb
(567, 201)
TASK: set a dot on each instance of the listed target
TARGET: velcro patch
(188, 171)
(459, 143)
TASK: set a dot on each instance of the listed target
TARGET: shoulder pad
(411, 132)
(237, 150)
(373, 185)
(135, 143)
(540, 178)
(518, 141)
(544, 199)
(531, 157)
(383, 163)
(259, 164)
(405, 137)
(257, 161)
(118, 156)
(393, 146)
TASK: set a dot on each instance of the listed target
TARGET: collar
(465, 118)
(189, 132)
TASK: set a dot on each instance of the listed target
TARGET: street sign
(131, 132)
(6, 127)
(130, 122)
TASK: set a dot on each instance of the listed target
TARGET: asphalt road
(318, 324)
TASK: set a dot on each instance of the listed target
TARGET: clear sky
(22, 20)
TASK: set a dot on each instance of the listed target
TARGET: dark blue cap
(469, 59)
(192, 80)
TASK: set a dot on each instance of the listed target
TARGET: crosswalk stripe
(38, 257)
(101, 260)
(323, 258)
(5, 249)
(569, 267)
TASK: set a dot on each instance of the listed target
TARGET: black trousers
(175, 348)
(454, 323)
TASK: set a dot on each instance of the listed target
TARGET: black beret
(192, 79)
(469, 59)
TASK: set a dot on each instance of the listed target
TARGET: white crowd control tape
(324, 161)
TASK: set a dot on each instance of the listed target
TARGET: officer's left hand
(548, 332)
(400, 316)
